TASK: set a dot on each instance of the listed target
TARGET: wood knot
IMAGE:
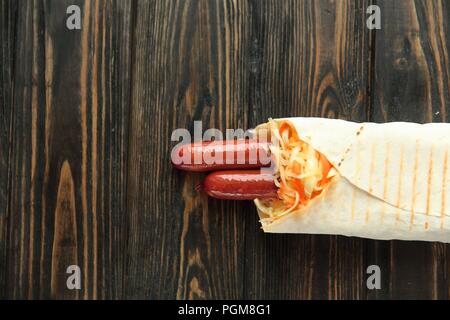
(401, 63)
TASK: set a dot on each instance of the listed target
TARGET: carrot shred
(297, 169)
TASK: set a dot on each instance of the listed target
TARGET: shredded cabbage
(300, 172)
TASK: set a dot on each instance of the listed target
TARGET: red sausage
(219, 155)
(240, 185)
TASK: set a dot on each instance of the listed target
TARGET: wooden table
(86, 118)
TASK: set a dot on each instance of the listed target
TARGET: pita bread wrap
(391, 181)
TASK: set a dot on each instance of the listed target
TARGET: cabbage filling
(300, 172)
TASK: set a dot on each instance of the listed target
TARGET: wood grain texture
(8, 14)
(86, 118)
(190, 63)
(412, 84)
(69, 143)
(313, 59)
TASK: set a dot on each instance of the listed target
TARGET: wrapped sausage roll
(379, 181)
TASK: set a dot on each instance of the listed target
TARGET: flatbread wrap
(379, 181)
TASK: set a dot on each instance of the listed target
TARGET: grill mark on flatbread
(372, 166)
(400, 182)
(353, 203)
(350, 146)
(366, 218)
(430, 178)
(345, 153)
(357, 175)
(386, 175)
(360, 130)
(414, 186)
(444, 189)
(347, 170)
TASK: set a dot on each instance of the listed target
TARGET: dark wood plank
(69, 138)
(192, 62)
(412, 83)
(311, 58)
(8, 14)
